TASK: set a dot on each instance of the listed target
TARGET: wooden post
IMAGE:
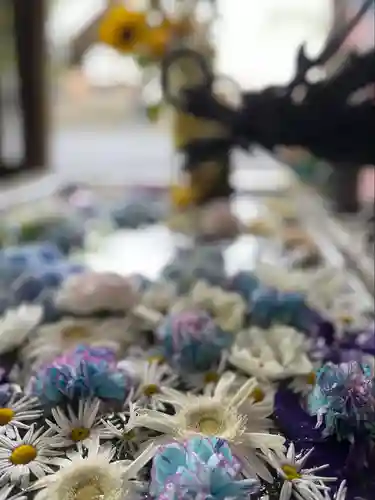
(29, 29)
(30, 19)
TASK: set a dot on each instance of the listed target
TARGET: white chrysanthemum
(54, 339)
(228, 309)
(216, 415)
(319, 286)
(21, 457)
(152, 377)
(7, 490)
(17, 411)
(274, 354)
(260, 404)
(89, 477)
(16, 325)
(129, 436)
(347, 314)
(340, 494)
(299, 483)
(93, 291)
(206, 381)
(159, 296)
(77, 429)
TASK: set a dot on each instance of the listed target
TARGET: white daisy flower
(77, 429)
(325, 287)
(303, 384)
(275, 354)
(347, 315)
(228, 309)
(130, 436)
(216, 415)
(93, 291)
(90, 476)
(320, 286)
(159, 296)
(152, 377)
(299, 483)
(259, 406)
(54, 339)
(17, 324)
(31, 455)
(206, 382)
(18, 410)
(340, 494)
(7, 490)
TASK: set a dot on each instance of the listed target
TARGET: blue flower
(269, 306)
(200, 468)
(192, 341)
(344, 399)
(83, 373)
(201, 263)
(244, 283)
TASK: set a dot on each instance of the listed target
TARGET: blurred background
(74, 109)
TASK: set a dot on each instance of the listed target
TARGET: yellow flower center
(129, 436)
(290, 472)
(156, 359)
(208, 425)
(6, 416)
(79, 434)
(211, 378)
(257, 395)
(23, 455)
(89, 491)
(150, 390)
(347, 319)
(75, 333)
(311, 378)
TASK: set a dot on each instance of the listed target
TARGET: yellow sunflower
(130, 33)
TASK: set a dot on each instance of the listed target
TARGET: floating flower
(7, 490)
(347, 316)
(344, 399)
(245, 283)
(79, 428)
(340, 494)
(152, 377)
(269, 307)
(192, 341)
(320, 287)
(200, 263)
(227, 308)
(131, 33)
(16, 412)
(90, 476)
(123, 431)
(84, 373)
(159, 296)
(52, 340)
(217, 415)
(17, 324)
(30, 455)
(299, 483)
(275, 354)
(93, 291)
(199, 468)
